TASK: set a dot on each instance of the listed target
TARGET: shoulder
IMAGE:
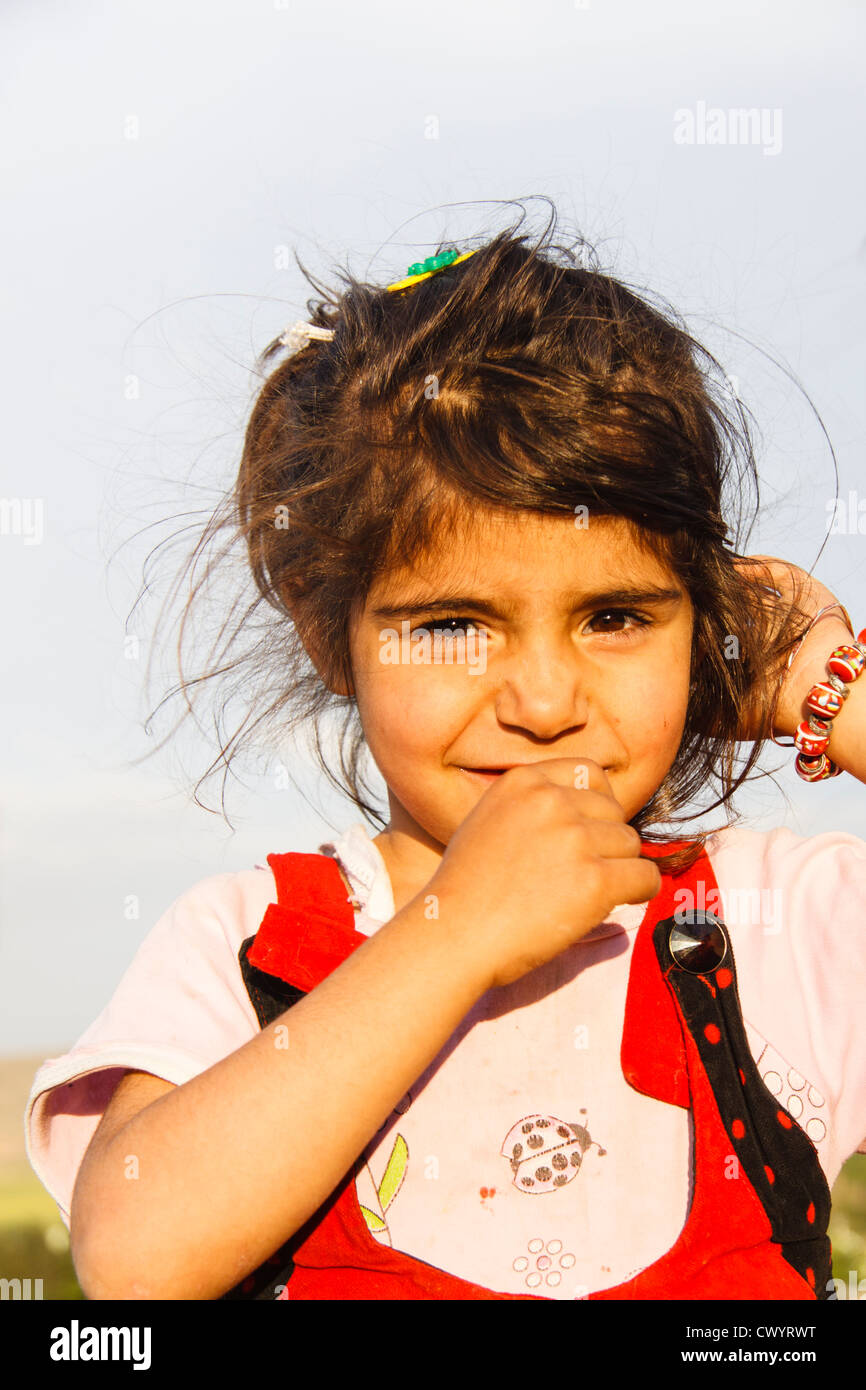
(780, 881)
(794, 903)
(782, 854)
(793, 906)
(222, 909)
(179, 1007)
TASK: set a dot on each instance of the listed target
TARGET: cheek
(665, 690)
(413, 708)
(652, 709)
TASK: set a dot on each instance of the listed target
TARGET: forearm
(226, 1170)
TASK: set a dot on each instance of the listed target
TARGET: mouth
(489, 774)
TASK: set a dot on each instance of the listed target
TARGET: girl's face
(573, 657)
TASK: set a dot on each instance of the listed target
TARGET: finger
(580, 773)
(583, 775)
(613, 840)
(637, 881)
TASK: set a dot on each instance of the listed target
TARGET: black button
(697, 942)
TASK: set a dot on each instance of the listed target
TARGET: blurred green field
(34, 1243)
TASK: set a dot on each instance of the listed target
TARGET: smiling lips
(486, 772)
(490, 772)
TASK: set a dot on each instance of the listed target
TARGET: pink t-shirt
(437, 1182)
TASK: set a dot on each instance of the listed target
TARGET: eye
(444, 625)
(637, 620)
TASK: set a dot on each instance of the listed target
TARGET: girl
(518, 1044)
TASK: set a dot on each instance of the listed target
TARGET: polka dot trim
(750, 1099)
(800, 1100)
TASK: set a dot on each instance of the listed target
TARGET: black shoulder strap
(780, 1160)
(269, 995)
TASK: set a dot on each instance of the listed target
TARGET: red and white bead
(812, 737)
(816, 769)
(846, 662)
(824, 701)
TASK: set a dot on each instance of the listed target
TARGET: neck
(411, 863)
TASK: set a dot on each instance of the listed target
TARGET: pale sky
(157, 160)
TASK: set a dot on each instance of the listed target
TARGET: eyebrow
(599, 598)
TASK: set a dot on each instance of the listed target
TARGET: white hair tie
(300, 333)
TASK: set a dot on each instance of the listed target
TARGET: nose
(542, 687)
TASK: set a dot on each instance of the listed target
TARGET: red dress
(762, 1235)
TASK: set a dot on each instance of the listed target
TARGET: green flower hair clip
(299, 335)
(422, 270)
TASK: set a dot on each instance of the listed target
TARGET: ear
(331, 678)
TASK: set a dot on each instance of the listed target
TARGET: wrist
(808, 669)
(437, 922)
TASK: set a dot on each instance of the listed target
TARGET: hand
(810, 663)
(536, 865)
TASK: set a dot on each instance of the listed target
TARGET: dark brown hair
(555, 386)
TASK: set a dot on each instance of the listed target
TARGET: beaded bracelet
(824, 702)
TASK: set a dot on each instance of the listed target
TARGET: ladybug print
(546, 1153)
